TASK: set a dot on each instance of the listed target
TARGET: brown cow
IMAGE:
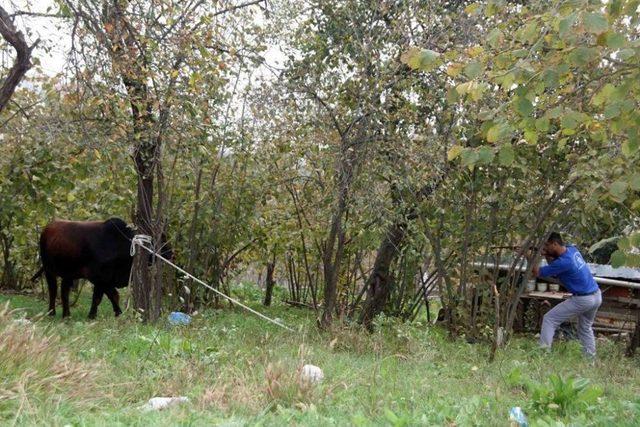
(93, 250)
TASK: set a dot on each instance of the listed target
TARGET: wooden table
(546, 295)
(533, 300)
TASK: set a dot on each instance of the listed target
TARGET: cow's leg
(95, 301)
(64, 290)
(114, 297)
(53, 292)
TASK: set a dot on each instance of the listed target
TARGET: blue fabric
(572, 271)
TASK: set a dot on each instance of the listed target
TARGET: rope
(142, 239)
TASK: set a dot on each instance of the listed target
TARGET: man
(570, 268)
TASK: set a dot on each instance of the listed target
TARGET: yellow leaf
(472, 9)
(454, 69)
(454, 152)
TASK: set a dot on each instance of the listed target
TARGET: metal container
(554, 287)
(531, 285)
(542, 287)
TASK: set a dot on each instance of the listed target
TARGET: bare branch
(23, 57)
(239, 6)
(39, 14)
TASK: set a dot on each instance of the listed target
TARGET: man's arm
(556, 267)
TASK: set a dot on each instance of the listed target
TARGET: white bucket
(542, 287)
(531, 285)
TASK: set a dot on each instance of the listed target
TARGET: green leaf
(485, 155)
(454, 152)
(614, 40)
(498, 132)
(630, 147)
(506, 156)
(595, 23)
(625, 54)
(604, 95)
(612, 111)
(531, 137)
(618, 259)
(523, 106)
(495, 38)
(452, 95)
(618, 190)
(550, 77)
(529, 33)
(471, 88)
(554, 113)
(569, 121)
(469, 157)
(473, 69)
(634, 182)
(565, 25)
(421, 59)
(542, 124)
(581, 56)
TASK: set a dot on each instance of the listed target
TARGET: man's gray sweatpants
(582, 307)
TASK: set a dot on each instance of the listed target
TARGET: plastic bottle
(178, 318)
(517, 417)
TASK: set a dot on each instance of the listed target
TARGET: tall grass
(36, 371)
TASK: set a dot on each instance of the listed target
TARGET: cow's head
(118, 226)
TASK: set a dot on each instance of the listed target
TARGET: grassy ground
(238, 370)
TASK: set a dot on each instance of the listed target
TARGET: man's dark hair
(555, 238)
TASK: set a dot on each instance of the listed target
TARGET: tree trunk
(8, 280)
(271, 266)
(128, 60)
(22, 63)
(334, 248)
(379, 282)
(188, 295)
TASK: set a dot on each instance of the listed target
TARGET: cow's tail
(38, 274)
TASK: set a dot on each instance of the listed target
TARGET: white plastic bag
(311, 373)
(158, 403)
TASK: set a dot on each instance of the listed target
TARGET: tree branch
(239, 6)
(22, 63)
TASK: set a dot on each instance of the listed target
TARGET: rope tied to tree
(142, 240)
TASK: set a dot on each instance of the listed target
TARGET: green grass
(238, 370)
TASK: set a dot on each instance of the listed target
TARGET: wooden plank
(631, 301)
(617, 316)
(546, 295)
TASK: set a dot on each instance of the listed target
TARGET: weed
(558, 396)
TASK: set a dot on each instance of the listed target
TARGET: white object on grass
(157, 403)
(311, 373)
